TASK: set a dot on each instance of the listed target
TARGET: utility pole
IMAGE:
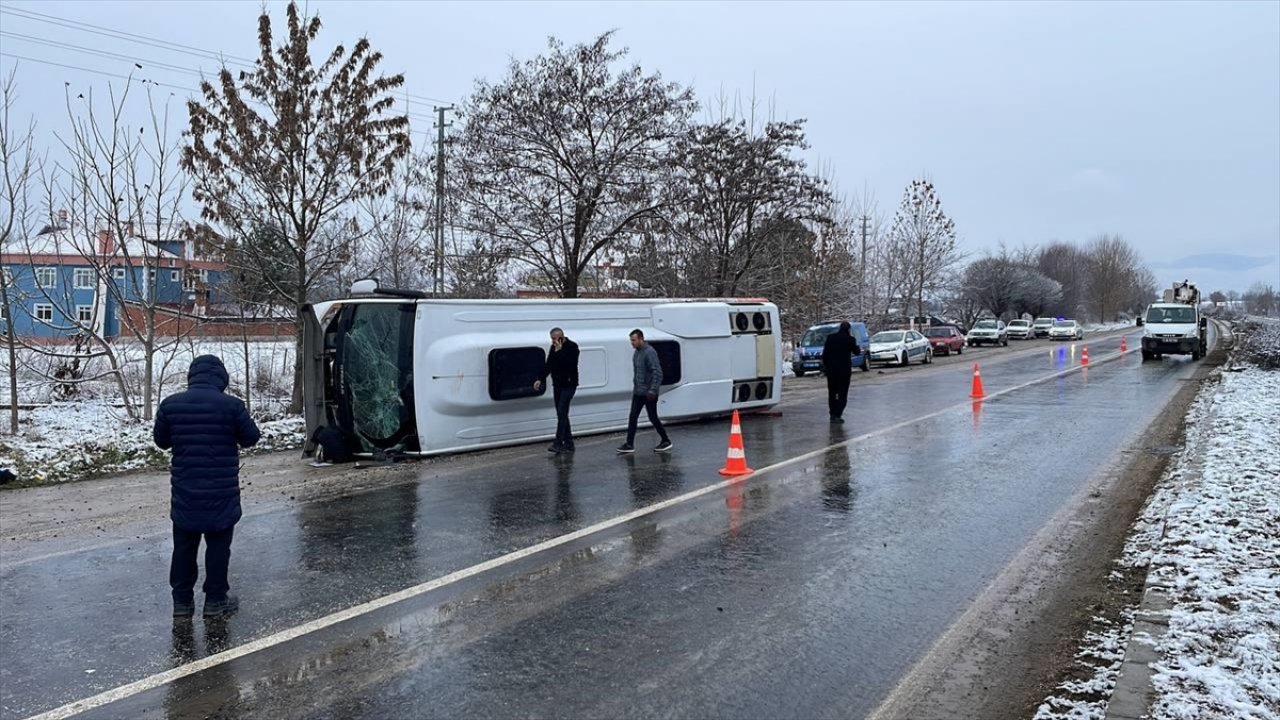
(437, 278)
(862, 272)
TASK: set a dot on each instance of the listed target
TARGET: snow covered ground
(270, 370)
(75, 441)
(1210, 533)
(91, 435)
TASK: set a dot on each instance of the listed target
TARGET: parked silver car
(988, 332)
(900, 347)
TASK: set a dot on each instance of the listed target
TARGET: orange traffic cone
(978, 392)
(736, 463)
(1124, 346)
(1084, 356)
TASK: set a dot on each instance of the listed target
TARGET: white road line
(160, 679)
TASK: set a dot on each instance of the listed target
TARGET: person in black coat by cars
(837, 363)
(205, 428)
(562, 366)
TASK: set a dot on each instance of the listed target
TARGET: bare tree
(118, 196)
(396, 247)
(817, 276)
(651, 261)
(837, 273)
(1112, 263)
(963, 306)
(793, 277)
(1260, 299)
(1008, 282)
(291, 144)
(1066, 264)
(925, 238)
(886, 273)
(994, 282)
(564, 157)
(733, 182)
(891, 277)
(1038, 292)
(19, 165)
(1141, 290)
(475, 268)
(867, 231)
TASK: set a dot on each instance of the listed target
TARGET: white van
(400, 374)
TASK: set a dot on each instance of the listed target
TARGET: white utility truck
(1175, 326)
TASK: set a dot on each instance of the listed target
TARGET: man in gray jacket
(644, 394)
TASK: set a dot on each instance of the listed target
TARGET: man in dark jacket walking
(837, 363)
(647, 380)
(562, 366)
(205, 428)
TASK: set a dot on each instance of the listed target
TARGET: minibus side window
(669, 359)
(512, 372)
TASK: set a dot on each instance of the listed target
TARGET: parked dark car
(945, 340)
(807, 357)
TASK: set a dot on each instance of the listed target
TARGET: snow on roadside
(268, 370)
(1108, 327)
(1211, 533)
(1221, 555)
(75, 441)
(1100, 656)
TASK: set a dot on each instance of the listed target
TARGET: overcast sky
(1156, 121)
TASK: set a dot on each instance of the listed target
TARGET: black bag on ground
(333, 445)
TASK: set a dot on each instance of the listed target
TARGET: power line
(427, 99)
(147, 81)
(162, 44)
(98, 72)
(139, 63)
(120, 34)
(102, 53)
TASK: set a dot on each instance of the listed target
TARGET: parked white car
(900, 347)
(1042, 326)
(987, 332)
(1066, 330)
(1020, 330)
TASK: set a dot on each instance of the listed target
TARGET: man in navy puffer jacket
(205, 428)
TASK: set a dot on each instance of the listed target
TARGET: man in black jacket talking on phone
(837, 362)
(562, 366)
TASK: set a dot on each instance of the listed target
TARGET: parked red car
(945, 340)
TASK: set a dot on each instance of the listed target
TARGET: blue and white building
(71, 280)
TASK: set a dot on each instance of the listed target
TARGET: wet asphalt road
(805, 591)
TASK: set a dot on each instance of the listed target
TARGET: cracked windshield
(378, 372)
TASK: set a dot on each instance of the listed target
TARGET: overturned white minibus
(398, 374)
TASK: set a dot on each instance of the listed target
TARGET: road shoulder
(1200, 634)
(1020, 637)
